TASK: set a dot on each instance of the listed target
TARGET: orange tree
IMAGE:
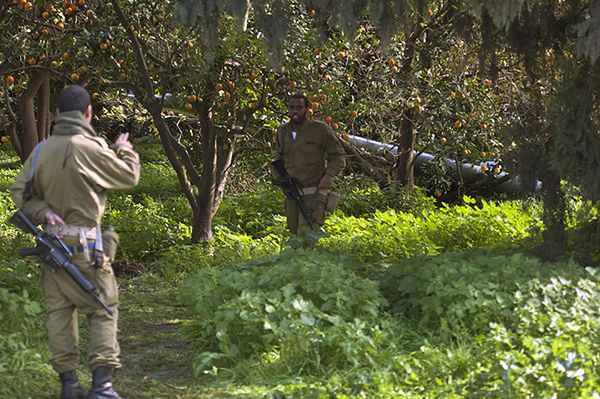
(136, 47)
(407, 76)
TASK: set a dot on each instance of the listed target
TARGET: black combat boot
(71, 388)
(102, 384)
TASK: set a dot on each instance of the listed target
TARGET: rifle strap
(29, 184)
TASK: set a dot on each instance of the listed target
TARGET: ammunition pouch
(110, 243)
(333, 199)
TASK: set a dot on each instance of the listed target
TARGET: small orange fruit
(10, 80)
(188, 106)
(74, 76)
(353, 114)
(218, 87)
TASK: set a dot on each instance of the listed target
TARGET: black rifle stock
(54, 254)
(291, 190)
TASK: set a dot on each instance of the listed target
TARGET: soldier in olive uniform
(313, 156)
(72, 171)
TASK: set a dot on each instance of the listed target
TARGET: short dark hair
(73, 98)
(303, 97)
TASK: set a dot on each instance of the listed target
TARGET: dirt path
(155, 357)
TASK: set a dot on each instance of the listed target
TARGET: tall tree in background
(557, 128)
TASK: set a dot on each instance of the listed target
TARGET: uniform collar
(71, 123)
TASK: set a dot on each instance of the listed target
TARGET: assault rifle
(54, 254)
(291, 189)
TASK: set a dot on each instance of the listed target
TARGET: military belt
(314, 190)
(80, 248)
(70, 230)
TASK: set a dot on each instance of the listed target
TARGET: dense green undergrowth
(401, 298)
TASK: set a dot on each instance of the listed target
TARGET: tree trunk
(405, 161)
(29, 124)
(43, 109)
(202, 226)
(555, 239)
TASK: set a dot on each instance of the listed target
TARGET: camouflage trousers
(64, 298)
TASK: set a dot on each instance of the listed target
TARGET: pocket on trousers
(333, 199)
(107, 284)
(318, 209)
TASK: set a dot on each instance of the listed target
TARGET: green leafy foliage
(147, 226)
(226, 249)
(256, 213)
(365, 201)
(21, 334)
(302, 311)
(393, 236)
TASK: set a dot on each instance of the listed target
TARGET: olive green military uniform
(309, 154)
(74, 170)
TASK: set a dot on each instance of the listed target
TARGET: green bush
(256, 213)
(365, 201)
(146, 227)
(226, 249)
(392, 236)
(463, 291)
(21, 343)
(299, 312)
(524, 328)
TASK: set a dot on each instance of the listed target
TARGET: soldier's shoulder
(318, 124)
(92, 142)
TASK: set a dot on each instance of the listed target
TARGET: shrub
(392, 236)
(21, 342)
(146, 227)
(364, 201)
(256, 213)
(299, 312)
(499, 324)
(226, 249)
